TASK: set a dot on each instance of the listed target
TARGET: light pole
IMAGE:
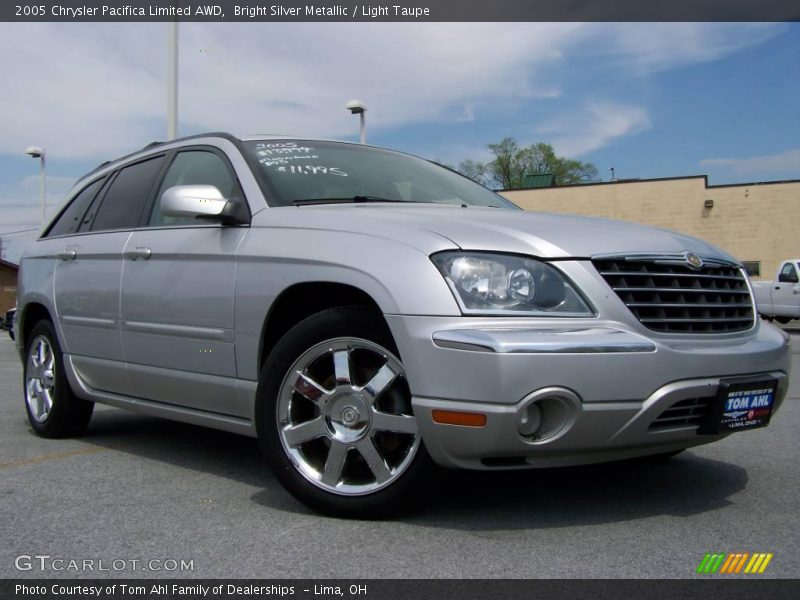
(357, 107)
(36, 152)
(172, 81)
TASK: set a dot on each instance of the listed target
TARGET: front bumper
(609, 384)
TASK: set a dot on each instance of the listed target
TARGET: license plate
(741, 404)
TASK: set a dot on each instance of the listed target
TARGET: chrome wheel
(40, 379)
(344, 417)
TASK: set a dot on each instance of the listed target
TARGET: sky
(650, 100)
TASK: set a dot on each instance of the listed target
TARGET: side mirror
(787, 278)
(199, 201)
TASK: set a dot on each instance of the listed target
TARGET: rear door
(97, 225)
(178, 295)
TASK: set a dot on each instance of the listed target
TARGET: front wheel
(335, 417)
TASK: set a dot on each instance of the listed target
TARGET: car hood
(502, 230)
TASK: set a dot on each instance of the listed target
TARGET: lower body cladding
(490, 395)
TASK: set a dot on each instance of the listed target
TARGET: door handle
(68, 254)
(777, 287)
(137, 253)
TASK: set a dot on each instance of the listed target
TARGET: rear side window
(70, 219)
(194, 167)
(122, 204)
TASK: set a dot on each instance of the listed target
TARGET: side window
(788, 273)
(70, 219)
(752, 267)
(122, 204)
(194, 167)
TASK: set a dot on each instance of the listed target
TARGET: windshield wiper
(351, 199)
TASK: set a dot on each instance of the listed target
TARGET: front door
(178, 298)
(786, 292)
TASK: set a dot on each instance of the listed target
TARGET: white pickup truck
(780, 299)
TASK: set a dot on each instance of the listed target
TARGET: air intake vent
(683, 414)
(669, 296)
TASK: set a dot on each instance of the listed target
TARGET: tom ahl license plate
(741, 404)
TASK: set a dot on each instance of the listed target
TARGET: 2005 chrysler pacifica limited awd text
(367, 314)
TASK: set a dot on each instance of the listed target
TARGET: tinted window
(123, 202)
(70, 219)
(194, 167)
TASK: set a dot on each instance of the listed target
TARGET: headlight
(485, 283)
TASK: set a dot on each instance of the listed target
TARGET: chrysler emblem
(693, 261)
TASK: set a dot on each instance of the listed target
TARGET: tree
(512, 164)
(474, 170)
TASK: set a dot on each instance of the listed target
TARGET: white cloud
(594, 126)
(79, 89)
(648, 47)
(91, 90)
(98, 90)
(784, 161)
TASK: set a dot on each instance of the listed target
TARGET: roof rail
(226, 136)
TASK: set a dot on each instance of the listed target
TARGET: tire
(334, 418)
(783, 320)
(54, 411)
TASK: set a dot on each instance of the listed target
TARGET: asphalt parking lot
(137, 488)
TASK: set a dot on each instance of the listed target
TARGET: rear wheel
(783, 320)
(335, 417)
(53, 409)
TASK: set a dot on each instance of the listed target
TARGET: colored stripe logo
(735, 563)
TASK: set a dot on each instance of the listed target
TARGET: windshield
(299, 171)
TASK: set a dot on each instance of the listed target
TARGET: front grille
(666, 295)
(683, 414)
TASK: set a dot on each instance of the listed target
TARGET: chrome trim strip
(543, 341)
(677, 258)
(88, 321)
(203, 333)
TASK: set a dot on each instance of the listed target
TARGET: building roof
(633, 181)
(538, 180)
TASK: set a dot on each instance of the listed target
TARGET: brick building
(755, 222)
(8, 285)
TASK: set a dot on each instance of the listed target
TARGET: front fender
(400, 278)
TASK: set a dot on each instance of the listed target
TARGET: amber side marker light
(452, 417)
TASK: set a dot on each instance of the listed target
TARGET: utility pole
(172, 80)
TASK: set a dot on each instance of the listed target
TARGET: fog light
(547, 414)
(530, 419)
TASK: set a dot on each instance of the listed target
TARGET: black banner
(734, 588)
(399, 10)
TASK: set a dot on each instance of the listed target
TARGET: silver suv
(367, 314)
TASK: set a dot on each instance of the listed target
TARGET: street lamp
(36, 152)
(357, 107)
